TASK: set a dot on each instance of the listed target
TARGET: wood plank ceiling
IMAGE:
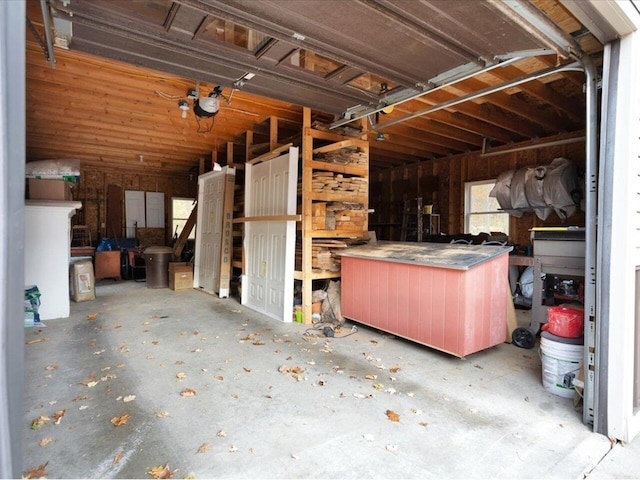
(114, 92)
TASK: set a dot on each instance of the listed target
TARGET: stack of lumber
(344, 156)
(337, 183)
(323, 256)
(347, 216)
(347, 130)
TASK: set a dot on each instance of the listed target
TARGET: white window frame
(192, 235)
(467, 204)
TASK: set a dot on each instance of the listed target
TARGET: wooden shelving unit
(335, 176)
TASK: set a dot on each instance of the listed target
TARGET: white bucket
(560, 365)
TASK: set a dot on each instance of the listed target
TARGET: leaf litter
(160, 471)
(37, 472)
(121, 420)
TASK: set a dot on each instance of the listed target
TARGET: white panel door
(209, 230)
(155, 210)
(270, 190)
(134, 211)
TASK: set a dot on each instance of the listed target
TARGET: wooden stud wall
(92, 191)
(453, 172)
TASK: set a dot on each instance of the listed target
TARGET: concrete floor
(485, 416)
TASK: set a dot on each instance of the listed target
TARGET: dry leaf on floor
(108, 376)
(51, 367)
(374, 341)
(38, 422)
(393, 416)
(117, 458)
(80, 398)
(57, 417)
(53, 402)
(222, 433)
(45, 441)
(196, 350)
(188, 392)
(149, 357)
(294, 371)
(82, 407)
(246, 369)
(370, 377)
(162, 414)
(129, 398)
(378, 386)
(205, 447)
(394, 369)
(423, 424)
(92, 316)
(219, 377)
(91, 384)
(37, 472)
(258, 343)
(118, 326)
(38, 340)
(160, 471)
(181, 376)
(121, 420)
(155, 342)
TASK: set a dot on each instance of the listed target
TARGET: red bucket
(565, 322)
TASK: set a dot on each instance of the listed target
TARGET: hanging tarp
(541, 189)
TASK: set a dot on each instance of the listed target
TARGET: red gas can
(565, 322)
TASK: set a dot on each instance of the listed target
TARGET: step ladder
(412, 221)
(415, 227)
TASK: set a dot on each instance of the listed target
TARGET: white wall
(619, 235)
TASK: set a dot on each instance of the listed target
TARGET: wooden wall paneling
(114, 211)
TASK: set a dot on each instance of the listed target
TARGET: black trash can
(157, 261)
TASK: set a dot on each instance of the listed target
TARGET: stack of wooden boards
(346, 216)
(337, 183)
(325, 253)
(343, 156)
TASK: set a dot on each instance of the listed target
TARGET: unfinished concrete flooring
(224, 392)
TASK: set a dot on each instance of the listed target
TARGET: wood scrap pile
(344, 156)
(337, 183)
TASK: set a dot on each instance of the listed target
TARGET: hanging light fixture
(206, 107)
(184, 106)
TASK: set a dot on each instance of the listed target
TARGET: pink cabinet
(449, 297)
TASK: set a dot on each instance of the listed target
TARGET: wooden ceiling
(113, 95)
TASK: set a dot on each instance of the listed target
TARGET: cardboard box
(180, 276)
(42, 189)
(82, 281)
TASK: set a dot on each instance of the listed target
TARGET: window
(180, 210)
(481, 212)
